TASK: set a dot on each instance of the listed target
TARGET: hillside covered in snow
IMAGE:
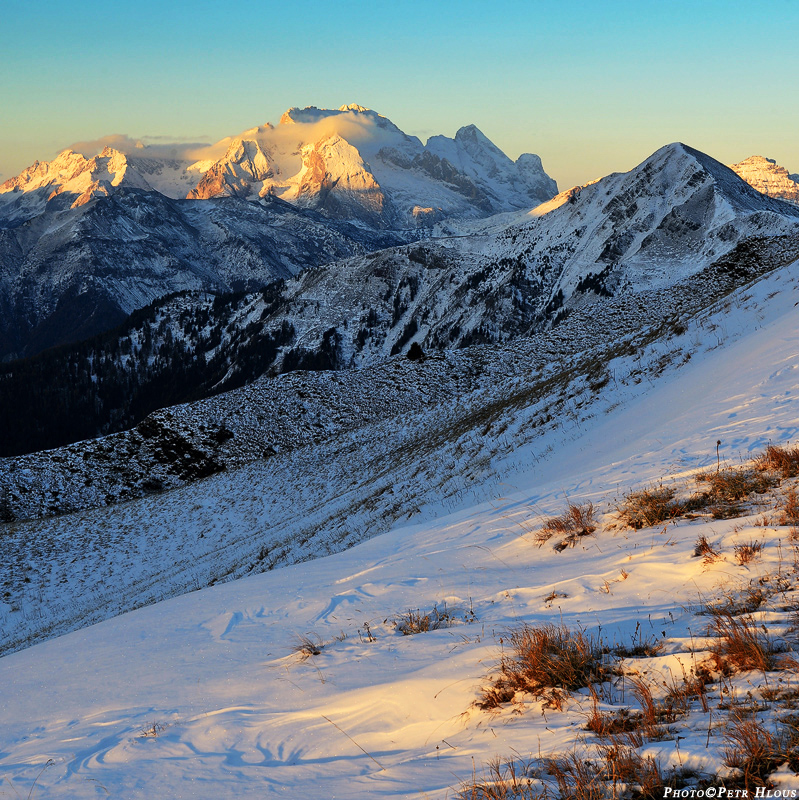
(507, 513)
(322, 673)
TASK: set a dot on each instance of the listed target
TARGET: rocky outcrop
(768, 177)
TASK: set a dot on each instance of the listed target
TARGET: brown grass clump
(693, 687)
(642, 647)
(782, 460)
(704, 549)
(646, 723)
(578, 778)
(743, 602)
(502, 780)
(649, 507)
(543, 660)
(412, 622)
(753, 749)
(576, 521)
(741, 645)
(729, 485)
(790, 509)
(744, 553)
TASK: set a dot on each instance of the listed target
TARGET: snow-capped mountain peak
(768, 177)
(70, 179)
(418, 185)
(244, 165)
(468, 176)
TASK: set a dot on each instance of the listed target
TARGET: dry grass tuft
(308, 645)
(412, 622)
(577, 778)
(753, 749)
(790, 509)
(743, 601)
(649, 507)
(693, 687)
(782, 460)
(640, 646)
(740, 644)
(744, 553)
(645, 723)
(540, 661)
(576, 521)
(730, 485)
(502, 780)
(704, 549)
(618, 768)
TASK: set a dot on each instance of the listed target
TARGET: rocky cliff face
(768, 177)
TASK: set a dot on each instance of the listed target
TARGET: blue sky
(591, 87)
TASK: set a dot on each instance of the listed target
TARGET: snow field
(203, 696)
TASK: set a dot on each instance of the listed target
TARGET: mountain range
(301, 433)
(86, 241)
(671, 218)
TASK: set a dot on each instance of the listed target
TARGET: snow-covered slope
(363, 447)
(205, 694)
(768, 177)
(663, 222)
(66, 275)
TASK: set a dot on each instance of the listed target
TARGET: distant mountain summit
(348, 164)
(768, 177)
(353, 163)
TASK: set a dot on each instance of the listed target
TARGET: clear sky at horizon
(592, 87)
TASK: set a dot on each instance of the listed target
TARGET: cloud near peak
(146, 146)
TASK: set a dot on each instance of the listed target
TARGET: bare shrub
(152, 730)
(783, 460)
(576, 521)
(541, 660)
(649, 507)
